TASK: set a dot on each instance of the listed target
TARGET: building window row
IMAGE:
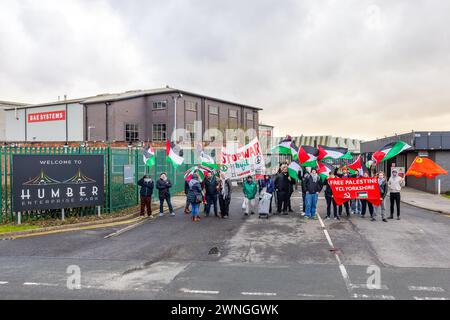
(159, 105)
(159, 132)
(191, 106)
(131, 132)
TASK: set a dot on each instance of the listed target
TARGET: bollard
(19, 218)
(62, 214)
(99, 210)
(439, 186)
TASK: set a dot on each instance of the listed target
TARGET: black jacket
(146, 187)
(328, 190)
(284, 183)
(383, 189)
(195, 189)
(163, 188)
(210, 186)
(311, 186)
(303, 180)
(186, 187)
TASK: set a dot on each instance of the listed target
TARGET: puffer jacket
(311, 186)
(195, 189)
(250, 190)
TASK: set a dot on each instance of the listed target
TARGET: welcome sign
(57, 181)
(247, 161)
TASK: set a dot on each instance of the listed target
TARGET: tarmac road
(285, 257)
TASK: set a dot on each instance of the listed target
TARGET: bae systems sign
(57, 181)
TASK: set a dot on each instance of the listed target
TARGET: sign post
(63, 215)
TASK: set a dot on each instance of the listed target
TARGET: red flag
(424, 167)
(357, 165)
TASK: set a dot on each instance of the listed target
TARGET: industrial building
(132, 116)
(434, 145)
(3, 106)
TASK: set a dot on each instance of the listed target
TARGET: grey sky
(362, 69)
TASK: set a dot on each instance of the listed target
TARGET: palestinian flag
(294, 169)
(172, 156)
(326, 153)
(207, 161)
(308, 156)
(389, 151)
(286, 147)
(356, 166)
(201, 171)
(324, 170)
(148, 155)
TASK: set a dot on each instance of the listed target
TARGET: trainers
(161, 214)
(337, 218)
(384, 220)
(327, 218)
(246, 214)
(172, 214)
(362, 216)
(306, 217)
(391, 217)
(373, 219)
(398, 218)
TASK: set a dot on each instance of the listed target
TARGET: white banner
(247, 161)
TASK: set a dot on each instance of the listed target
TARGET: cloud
(355, 68)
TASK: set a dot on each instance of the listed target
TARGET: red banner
(47, 116)
(345, 189)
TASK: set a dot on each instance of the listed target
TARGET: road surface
(285, 257)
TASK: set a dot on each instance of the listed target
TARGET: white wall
(47, 130)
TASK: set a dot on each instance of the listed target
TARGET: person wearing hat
(147, 186)
(395, 185)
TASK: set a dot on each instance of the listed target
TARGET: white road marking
(123, 230)
(364, 286)
(367, 296)
(430, 298)
(432, 289)
(3, 282)
(342, 268)
(39, 284)
(315, 295)
(270, 294)
(199, 291)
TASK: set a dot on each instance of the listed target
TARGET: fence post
(109, 179)
(99, 211)
(19, 218)
(63, 214)
(136, 173)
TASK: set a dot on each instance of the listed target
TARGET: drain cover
(213, 251)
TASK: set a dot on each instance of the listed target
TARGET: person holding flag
(283, 182)
(313, 186)
(267, 185)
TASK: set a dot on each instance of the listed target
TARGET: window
(191, 106)
(159, 105)
(191, 129)
(131, 132)
(233, 114)
(159, 132)
(250, 116)
(214, 110)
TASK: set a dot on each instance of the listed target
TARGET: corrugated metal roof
(141, 93)
(9, 104)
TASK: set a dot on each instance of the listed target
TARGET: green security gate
(118, 195)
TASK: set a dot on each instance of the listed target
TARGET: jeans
(169, 203)
(330, 202)
(356, 206)
(211, 200)
(395, 199)
(195, 209)
(311, 204)
(382, 208)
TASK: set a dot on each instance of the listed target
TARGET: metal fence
(118, 195)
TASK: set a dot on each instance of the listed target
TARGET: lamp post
(179, 96)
